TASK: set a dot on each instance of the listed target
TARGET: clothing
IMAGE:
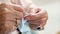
(24, 28)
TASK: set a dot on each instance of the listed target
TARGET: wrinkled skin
(10, 17)
(39, 18)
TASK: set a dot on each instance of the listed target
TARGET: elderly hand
(10, 17)
(37, 17)
(36, 13)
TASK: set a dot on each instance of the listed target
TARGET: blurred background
(53, 9)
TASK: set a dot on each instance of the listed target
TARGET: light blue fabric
(25, 26)
(25, 29)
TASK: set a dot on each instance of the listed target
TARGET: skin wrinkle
(8, 18)
(37, 16)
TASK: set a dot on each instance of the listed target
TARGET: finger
(37, 10)
(18, 8)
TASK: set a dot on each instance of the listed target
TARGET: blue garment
(25, 29)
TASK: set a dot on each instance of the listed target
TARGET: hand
(37, 18)
(10, 18)
(36, 13)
